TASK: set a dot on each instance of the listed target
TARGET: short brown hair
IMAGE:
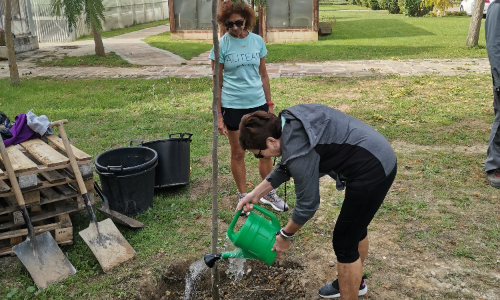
(256, 127)
(227, 8)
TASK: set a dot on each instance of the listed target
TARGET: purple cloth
(20, 131)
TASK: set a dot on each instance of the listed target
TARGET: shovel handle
(58, 123)
(71, 155)
(10, 173)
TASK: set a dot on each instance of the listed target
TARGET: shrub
(413, 8)
(440, 6)
(389, 5)
(365, 3)
(393, 7)
(2, 37)
(373, 4)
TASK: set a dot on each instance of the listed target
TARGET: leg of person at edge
(492, 34)
(314, 140)
(243, 88)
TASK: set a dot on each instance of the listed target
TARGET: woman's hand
(222, 127)
(281, 245)
(246, 202)
(271, 110)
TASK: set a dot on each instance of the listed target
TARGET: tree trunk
(99, 46)
(9, 42)
(215, 161)
(475, 23)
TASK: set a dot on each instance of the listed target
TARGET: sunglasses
(258, 155)
(238, 23)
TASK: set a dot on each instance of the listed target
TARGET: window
(289, 13)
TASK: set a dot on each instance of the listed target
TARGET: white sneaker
(272, 199)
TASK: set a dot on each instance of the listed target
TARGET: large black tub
(127, 178)
(173, 159)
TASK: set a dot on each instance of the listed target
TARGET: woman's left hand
(271, 110)
(281, 245)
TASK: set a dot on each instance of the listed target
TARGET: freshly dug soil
(262, 282)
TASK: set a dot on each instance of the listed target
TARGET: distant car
(468, 6)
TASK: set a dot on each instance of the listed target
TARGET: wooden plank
(11, 200)
(21, 232)
(63, 234)
(43, 185)
(4, 187)
(64, 220)
(19, 161)
(43, 216)
(79, 154)
(89, 185)
(7, 251)
(44, 153)
(65, 190)
(53, 176)
(2, 172)
(32, 197)
(42, 168)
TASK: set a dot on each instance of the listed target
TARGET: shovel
(103, 238)
(114, 215)
(40, 254)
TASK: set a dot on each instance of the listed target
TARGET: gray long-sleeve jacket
(317, 139)
(492, 34)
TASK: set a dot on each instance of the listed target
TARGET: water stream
(235, 269)
(195, 270)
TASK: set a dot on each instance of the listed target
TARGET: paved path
(157, 63)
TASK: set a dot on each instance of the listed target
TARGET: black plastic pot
(127, 178)
(173, 159)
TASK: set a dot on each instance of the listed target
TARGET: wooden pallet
(36, 157)
(48, 190)
(60, 227)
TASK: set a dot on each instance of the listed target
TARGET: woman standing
(315, 140)
(244, 88)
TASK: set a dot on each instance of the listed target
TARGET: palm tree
(9, 42)
(93, 12)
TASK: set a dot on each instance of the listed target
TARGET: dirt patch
(260, 282)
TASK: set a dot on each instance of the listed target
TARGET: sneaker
(243, 213)
(272, 199)
(332, 290)
(494, 178)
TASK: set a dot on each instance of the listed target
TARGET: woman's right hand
(222, 127)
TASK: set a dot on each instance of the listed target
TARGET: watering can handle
(274, 220)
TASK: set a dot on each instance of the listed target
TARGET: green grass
(111, 60)
(361, 35)
(439, 202)
(185, 49)
(120, 31)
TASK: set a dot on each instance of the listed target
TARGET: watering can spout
(211, 259)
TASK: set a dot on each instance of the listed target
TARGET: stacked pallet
(49, 189)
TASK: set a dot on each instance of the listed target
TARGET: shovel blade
(108, 244)
(120, 218)
(46, 264)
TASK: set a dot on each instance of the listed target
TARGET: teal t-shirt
(242, 84)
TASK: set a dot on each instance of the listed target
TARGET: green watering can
(255, 239)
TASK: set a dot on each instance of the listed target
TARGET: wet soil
(260, 282)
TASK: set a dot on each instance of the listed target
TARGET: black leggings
(357, 212)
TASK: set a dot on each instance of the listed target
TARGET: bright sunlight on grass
(361, 34)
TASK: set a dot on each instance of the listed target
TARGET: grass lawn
(439, 212)
(120, 31)
(361, 35)
(91, 60)
(185, 49)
